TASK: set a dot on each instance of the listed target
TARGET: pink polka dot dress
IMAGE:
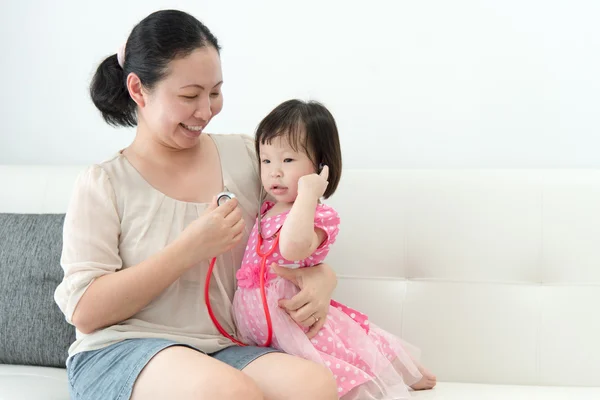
(367, 362)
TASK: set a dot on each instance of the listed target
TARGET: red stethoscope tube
(262, 293)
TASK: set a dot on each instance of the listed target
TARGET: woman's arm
(312, 302)
(96, 291)
(126, 292)
(115, 297)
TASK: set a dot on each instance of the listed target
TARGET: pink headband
(121, 56)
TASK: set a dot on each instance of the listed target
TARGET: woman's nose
(203, 111)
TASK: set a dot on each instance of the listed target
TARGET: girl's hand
(309, 308)
(314, 185)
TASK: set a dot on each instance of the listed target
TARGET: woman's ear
(136, 89)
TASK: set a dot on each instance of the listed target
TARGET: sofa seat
(33, 383)
(473, 391)
(19, 382)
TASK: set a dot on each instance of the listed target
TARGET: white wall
(432, 83)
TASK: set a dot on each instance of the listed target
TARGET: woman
(142, 227)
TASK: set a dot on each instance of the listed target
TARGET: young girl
(300, 162)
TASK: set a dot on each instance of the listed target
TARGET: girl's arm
(299, 238)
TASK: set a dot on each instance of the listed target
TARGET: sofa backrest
(494, 274)
(32, 203)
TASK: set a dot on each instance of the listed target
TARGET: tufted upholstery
(494, 274)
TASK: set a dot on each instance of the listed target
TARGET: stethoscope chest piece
(224, 197)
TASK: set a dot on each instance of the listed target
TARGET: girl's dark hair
(158, 39)
(309, 127)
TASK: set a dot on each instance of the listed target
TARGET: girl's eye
(287, 160)
(266, 161)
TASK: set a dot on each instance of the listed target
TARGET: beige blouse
(116, 219)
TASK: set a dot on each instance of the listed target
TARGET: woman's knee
(234, 387)
(281, 376)
(319, 384)
(181, 373)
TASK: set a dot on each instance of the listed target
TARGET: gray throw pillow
(33, 331)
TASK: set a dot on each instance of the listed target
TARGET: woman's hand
(309, 308)
(216, 231)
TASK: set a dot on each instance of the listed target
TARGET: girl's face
(282, 167)
(180, 106)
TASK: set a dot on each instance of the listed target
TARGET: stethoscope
(222, 198)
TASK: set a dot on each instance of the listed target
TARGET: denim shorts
(110, 373)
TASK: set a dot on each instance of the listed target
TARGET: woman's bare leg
(181, 373)
(282, 376)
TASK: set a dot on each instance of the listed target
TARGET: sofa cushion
(34, 331)
(477, 391)
(18, 382)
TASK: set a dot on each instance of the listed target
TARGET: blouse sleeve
(90, 238)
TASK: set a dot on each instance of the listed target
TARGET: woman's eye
(190, 97)
(215, 94)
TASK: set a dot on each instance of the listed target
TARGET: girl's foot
(427, 382)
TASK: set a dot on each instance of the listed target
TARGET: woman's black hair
(155, 41)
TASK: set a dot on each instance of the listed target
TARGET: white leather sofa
(494, 274)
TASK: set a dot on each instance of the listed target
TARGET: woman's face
(180, 106)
